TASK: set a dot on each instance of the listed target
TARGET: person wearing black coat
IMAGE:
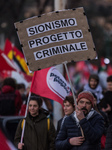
(83, 129)
(108, 143)
(106, 102)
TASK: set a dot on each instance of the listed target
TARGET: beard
(85, 111)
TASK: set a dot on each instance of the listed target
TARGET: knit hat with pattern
(88, 95)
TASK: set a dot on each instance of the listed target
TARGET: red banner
(5, 144)
(51, 84)
(6, 64)
(16, 55)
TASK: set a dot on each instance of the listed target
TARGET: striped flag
(16, 56)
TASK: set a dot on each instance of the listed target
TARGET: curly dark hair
(69, 99)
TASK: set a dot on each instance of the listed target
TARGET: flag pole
(22, 135)
(65, 64)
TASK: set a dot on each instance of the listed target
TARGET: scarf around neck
(89, 115)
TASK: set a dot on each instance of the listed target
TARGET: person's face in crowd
(68, 108)
(33, 108)
(109, 86)
(85, 105)
(22, 91)
(93, 83)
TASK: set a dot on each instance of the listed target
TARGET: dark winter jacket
(93, 129)
(105, 101)
(7, 90)
(108, 144)
(59, 125)
(37, 136)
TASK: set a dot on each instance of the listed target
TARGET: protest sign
(56, 37)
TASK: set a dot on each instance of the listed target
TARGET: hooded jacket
(93, 129)
(36, 134)
(97, 91)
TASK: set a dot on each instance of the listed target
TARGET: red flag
(5, 144)
(51, 84)
(8, 49)
(6, 64)
(20, 60)
(16, 56)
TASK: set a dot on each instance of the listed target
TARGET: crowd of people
(85, 126)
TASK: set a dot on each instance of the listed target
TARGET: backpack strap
(22, 123)
(48, 123)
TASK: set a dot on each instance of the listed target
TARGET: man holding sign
(83, 129)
